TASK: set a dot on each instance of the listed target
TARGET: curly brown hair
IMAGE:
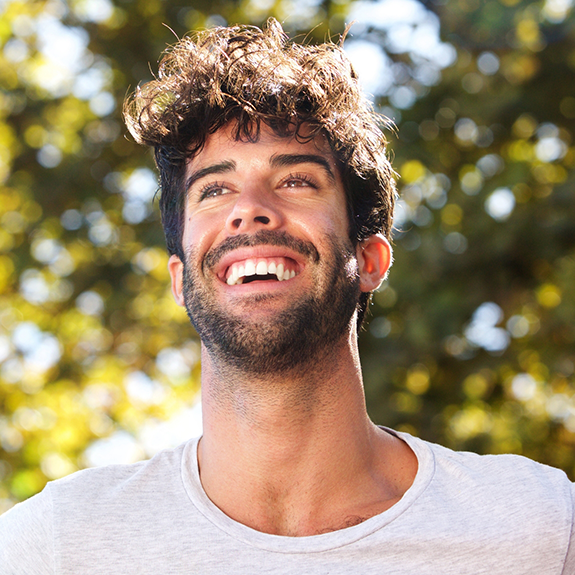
(249, 76)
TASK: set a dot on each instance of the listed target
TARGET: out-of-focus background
(472, 339)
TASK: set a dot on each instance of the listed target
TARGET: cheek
(201, 231)
(325, 216)
(332, 223)
(335, 216)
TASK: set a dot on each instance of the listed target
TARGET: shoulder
(504, 512)
(91, 497)
(512, 475)
(94, 509)
(505, 493)
(104, 488)
(74, 519)
(26, 536)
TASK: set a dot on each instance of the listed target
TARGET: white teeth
(261, 268)
(234, 279)
(280, 272)
(250, 268)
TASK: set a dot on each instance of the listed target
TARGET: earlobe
(176, 270)
(374, 256)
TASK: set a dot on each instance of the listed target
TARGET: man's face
(270, 276)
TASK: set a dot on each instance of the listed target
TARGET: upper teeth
(239, 270)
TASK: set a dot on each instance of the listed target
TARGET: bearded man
(276, 204)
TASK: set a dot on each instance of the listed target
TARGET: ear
(374, 257)
(176, 269)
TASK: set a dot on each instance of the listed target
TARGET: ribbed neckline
(313, 543)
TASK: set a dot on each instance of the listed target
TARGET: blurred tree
(472, 338)
(472, 343)
(97, 363)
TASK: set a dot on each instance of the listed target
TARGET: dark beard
(304, 333)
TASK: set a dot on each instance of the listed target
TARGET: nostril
(238, 223)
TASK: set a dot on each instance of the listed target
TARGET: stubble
(295, 338)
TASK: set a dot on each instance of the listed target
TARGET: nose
(252, 211)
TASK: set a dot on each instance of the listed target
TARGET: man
(276, 203)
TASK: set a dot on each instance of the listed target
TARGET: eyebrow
(280, 160)
(276, 161)
(221, 168)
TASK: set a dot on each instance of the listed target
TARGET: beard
(305, 332)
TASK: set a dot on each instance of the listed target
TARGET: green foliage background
(91, 344)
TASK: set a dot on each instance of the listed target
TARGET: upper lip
(253, 253)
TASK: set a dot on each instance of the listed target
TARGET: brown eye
(213, 190)
(298, 181)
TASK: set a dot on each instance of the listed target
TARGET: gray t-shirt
(464, 514)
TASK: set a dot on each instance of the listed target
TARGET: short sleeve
(569, 568)
(26, 537)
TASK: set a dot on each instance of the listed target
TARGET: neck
(251, 396)
(300, 444)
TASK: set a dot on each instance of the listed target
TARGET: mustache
(261, 237)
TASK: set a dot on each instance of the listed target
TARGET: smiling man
(268, 237)
(276, 204)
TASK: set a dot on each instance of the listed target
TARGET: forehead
(225, 143)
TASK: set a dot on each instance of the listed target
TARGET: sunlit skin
(303, 198)
(292, 453)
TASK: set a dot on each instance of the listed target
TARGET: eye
(213, 190)
(298, 181)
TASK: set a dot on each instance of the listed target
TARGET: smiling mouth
(261, 269)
